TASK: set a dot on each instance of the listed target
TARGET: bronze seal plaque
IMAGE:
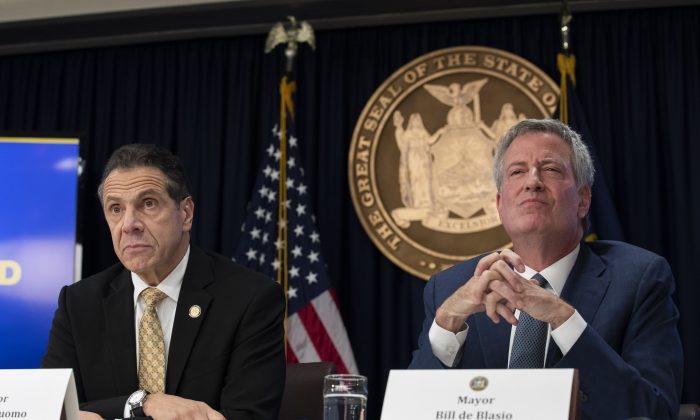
(422, 150)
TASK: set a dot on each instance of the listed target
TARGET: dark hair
(139, 155)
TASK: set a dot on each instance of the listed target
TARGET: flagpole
(565, 62)
(291, 35)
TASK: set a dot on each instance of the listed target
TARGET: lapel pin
(195, 311)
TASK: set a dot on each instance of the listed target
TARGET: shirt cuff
(445, 344)
(568, 333)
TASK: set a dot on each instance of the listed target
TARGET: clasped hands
(497, 289)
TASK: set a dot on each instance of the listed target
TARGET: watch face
(137, 396)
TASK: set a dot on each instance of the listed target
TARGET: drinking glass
(344, 397)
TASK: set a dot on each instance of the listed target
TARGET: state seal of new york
(422, 151)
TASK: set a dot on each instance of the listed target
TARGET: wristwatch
(136, 401)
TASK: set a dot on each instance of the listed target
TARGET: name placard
(493, 394)
(38, 394)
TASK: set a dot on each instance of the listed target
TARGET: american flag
(315, 330)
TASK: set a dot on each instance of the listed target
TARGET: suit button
(582, 396)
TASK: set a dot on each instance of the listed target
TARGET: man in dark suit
(604, 308)
(172, 331)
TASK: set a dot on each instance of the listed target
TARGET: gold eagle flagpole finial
(292, 34)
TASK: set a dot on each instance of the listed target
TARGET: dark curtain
(214, 101)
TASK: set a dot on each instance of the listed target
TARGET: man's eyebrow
(552, 160)
(110, 197)
(517, 163)
(149, 191)
(140, 195)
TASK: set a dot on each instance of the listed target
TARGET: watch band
(136, 401)
(138, 411)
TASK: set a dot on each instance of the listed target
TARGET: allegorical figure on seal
(415, 164)
(506, 120)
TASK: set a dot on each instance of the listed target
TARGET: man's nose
(131, 221)
(533, 181)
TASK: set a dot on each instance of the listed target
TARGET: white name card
(38, 394)
(495, 394)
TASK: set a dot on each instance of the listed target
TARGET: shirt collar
(170, 285)
(557, 273)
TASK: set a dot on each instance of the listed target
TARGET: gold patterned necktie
(151, 344)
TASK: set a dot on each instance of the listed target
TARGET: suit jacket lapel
(185, 328)
(586, 285)
(120, 335)
(584, 290)
(494, 339)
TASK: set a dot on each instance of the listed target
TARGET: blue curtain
(211, 101)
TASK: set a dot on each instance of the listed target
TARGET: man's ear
(498, 203)
(584, 205)
(187, 209)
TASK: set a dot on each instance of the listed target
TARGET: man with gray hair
(604, 307)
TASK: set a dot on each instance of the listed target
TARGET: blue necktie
(530, 339)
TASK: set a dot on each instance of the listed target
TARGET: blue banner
(38, 184)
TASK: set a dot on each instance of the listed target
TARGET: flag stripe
(329, 315)
(291, 357)
(320, 337)
(299, 340)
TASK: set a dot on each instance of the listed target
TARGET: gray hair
(581, 161)
(151, 156)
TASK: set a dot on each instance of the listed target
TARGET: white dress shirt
(447, 346)
(166, 308)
